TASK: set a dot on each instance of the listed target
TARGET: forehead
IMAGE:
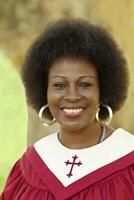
(68, 67)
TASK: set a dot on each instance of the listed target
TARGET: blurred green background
(12, 116)
(20, 23)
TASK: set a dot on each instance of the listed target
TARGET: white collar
(56, 156)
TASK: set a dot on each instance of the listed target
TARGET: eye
(85, 84)
(59, 85)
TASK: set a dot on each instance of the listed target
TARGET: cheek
(93, 103)
(50, 99)
(51, 104)
(93, 96)
(53, 100)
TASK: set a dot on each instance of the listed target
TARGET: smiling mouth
(73, 111)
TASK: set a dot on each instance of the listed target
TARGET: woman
(75, 74)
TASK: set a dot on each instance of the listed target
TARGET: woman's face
(73, 93)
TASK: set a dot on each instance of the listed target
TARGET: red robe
(32, 179)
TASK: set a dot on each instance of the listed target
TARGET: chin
(73, 127)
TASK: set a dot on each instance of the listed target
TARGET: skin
(73, 84)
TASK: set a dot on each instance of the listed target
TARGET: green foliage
(12, 117)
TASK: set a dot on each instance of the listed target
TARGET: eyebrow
(84, 76)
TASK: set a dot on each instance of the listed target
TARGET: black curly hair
(80, 39)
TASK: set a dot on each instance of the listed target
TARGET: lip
(72, 107)
(73, 114)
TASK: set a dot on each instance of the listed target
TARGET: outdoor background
(20, 23)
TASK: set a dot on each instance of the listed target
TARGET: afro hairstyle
(80, 39)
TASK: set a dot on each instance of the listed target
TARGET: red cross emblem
(73, 163)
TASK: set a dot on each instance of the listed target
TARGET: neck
(82, 138)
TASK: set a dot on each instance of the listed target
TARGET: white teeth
(72, 111)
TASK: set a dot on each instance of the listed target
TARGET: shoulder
(46, 144)
(124, 136)
(24, 178)
(119, 144)
(50, 138)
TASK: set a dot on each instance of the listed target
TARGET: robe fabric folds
(50, 171)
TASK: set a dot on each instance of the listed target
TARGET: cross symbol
(73, 164)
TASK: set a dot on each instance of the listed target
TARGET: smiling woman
(73, 99)
(75, 74)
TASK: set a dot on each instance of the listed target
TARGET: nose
(72, 94)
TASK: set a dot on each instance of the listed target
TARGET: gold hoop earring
(110, 116)
(42, 119)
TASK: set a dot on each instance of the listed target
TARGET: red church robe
(33, 179)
